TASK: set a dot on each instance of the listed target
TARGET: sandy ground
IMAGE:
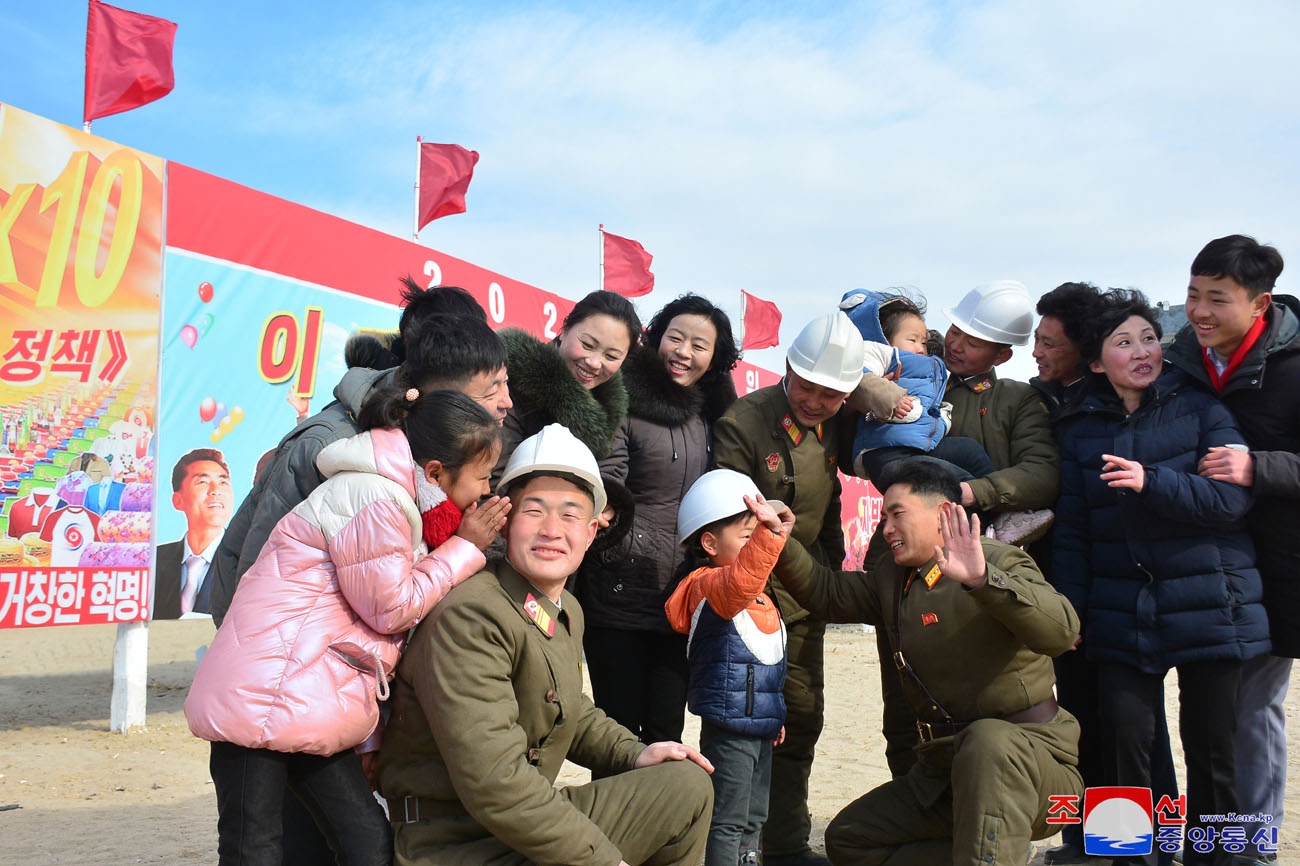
(87, 795)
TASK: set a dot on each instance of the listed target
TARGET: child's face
(723, 546)
(910, 336)
(470, 483)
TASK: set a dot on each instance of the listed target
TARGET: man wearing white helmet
(488, 704)
(1012, 423)
(1008, 418)
(788, 438)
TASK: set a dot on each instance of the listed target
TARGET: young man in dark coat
(1243, 342)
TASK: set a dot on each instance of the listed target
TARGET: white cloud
(936, 145)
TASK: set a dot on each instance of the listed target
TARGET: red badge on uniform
(773, 462)
(929, 618)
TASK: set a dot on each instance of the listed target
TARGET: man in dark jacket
(1061, 371)
(1243, 342)
(1065, 312)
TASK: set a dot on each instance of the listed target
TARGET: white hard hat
(714, 495)
(555, 449)
(828, 352)
(999, 312)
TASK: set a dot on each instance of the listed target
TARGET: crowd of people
(406, 598)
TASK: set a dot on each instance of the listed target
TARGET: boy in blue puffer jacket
(901, 395)
(736, 650)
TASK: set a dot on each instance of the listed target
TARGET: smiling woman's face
(595, 348)
(1130, 356)
(687, 347)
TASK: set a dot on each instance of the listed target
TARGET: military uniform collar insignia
(795, 432)
(538, 615)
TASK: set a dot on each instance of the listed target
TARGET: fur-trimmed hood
(653, 395)
(541, 383)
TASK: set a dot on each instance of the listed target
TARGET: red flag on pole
(627, 267)
(128, 60)
(762, 323)
(445, 173)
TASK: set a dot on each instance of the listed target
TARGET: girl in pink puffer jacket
(292, 681)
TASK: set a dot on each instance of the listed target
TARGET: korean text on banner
(80, 277)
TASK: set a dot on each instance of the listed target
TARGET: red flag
(627, 267)
(445, 173)
(128, 60)
(762, 323)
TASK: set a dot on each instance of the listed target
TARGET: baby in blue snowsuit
(901, 395)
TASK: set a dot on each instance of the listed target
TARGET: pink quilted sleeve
(372, 557)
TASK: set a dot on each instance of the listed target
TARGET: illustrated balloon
(189, 336)
(237, 414)
(207, 409)
(226, 424)
(205, 291)
(216, 436)
(205, 324)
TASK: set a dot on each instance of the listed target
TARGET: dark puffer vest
(1165, 576)
(737, 673)
(665, 444)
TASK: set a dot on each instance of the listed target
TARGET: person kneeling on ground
(973, 626)
(488, 704)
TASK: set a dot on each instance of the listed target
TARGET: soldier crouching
(973, 627)
(488, 704)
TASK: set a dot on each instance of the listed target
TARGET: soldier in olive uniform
(789, 438)
(973, 627)
(488, 704)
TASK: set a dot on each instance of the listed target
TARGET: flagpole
(602, 257)
(744, 308)
(415, 224)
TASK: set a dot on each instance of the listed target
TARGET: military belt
(410, 810)
(1043, 711)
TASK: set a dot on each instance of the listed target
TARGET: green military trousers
(788, 821)
(656, 815)
(986, 808)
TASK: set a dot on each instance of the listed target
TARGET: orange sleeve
(730, 588)
(681, 605)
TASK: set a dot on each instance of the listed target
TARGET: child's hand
(904, 406)
(786, 516)
(482, 521)
(780, 737)
(765, 513)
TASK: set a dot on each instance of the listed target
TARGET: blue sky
(792, 151)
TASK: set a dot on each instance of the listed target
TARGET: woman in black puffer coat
(678, 383)
(1156, 559)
